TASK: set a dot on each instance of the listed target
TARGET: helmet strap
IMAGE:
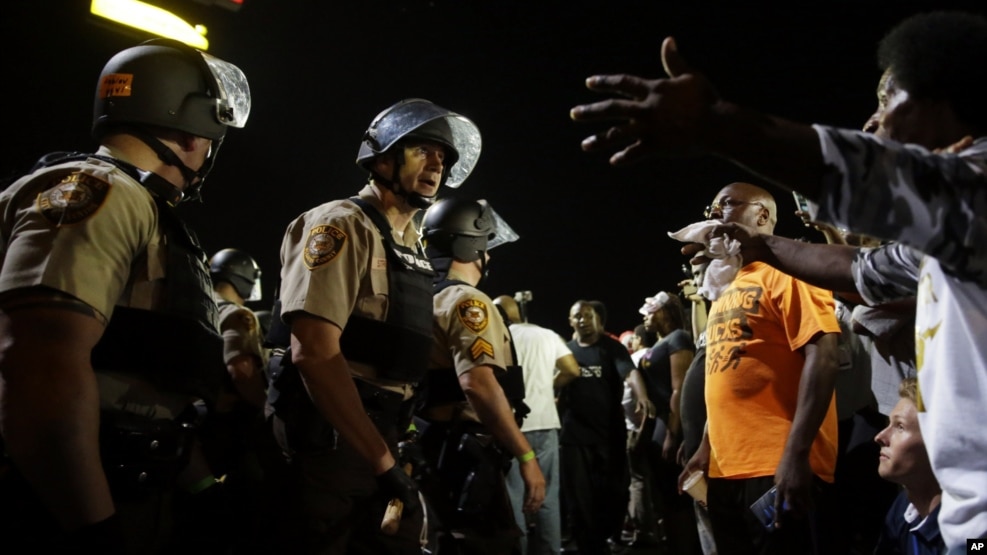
(168, 156)
(413, 199)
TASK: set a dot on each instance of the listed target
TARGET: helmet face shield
(233, 92)
(239, 269)
(417, 117)
(502, 232)
(171, 85)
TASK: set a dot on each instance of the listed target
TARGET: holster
(305, 429)
(143, 455)
(470, 466)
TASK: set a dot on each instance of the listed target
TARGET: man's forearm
(825, 266)
(487, 399)
(783, 152)
(333, 392)
(815, 393)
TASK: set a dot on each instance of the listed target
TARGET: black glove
(395, 484)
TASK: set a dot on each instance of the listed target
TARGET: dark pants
(595, 482)
(466, 489)
(738, 532)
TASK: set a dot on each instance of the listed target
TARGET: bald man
(547, 364)
(770, 375)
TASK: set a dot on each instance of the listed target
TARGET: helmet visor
(255, 294)
(466, 140)
(233, 102)
(502, 232)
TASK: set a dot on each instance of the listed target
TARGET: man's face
(736, 205)
(636, 343)
(903, 118)
(903, 455)
(421, 171)
(584, 320)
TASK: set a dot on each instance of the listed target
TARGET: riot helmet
(238, 269)
(168, 84)
(417, 118)
(464, 229)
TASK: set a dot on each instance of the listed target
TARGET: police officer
(110, 346)
(356, 295)
(240, 444)
(475, 391)
(236, 280)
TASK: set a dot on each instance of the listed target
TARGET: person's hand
(670, 448)
(690, 290)
(396, 484)
(956, 147)
(699, 461)
(534, 485)
(752, 245)
(657, 116)
(645, 408)
(793, 477)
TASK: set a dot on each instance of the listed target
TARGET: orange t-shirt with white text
(754, 334)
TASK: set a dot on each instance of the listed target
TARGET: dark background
(320, 70)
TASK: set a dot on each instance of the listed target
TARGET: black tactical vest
(398, 347)
(176, 347)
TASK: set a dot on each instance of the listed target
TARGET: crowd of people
(776, 402)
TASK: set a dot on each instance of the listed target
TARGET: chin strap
(414, 200)
(192, 189)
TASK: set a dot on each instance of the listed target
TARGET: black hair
(941, 56)
(676, 312)
(648, 338)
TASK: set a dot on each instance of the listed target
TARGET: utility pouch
(141, 455)
(305, 428)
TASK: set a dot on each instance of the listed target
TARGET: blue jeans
(544, 536)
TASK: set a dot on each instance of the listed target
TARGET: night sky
(320, 70)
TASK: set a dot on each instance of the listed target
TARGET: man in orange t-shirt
(770, 372)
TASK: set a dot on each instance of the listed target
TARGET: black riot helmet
(168, 84)
(417, 118)
(238, 269)
(463, 229)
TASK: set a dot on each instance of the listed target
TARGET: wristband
(202, 484)
(526, 457)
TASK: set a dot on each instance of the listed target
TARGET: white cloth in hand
(723, 252)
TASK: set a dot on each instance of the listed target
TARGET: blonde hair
(909, 390)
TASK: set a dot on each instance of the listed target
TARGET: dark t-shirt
(656, 365)
(590, 405)
(694, 403)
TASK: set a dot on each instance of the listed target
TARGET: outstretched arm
(682, 115)
(823, 265)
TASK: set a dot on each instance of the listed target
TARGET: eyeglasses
(726, 203)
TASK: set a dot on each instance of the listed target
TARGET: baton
(392, 516)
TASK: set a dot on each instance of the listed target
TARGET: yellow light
(151, 19)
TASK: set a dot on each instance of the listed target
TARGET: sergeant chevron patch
(481, 347)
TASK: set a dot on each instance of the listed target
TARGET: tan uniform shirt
(86, 229)
(469, 332)
(241, 331)
(334, 264)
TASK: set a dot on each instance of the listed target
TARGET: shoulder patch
(73, 199)
(481, 347)
(473, 314)
(324, 244)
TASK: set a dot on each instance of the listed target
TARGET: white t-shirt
(537, 350)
